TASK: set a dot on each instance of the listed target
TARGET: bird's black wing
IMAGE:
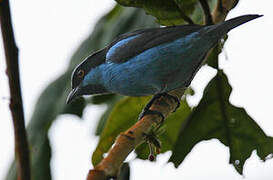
(131, 44)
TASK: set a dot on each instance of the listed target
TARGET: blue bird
(149, 61)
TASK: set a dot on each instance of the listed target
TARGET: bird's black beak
(72, 95)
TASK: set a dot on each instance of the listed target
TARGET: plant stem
(16, 104)
(183, 15)
(205, 7)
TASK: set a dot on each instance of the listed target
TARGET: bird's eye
(80, 73)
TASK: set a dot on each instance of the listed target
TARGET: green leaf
(171, 12)
(103, 119)
(75, 107)
(212, 59)
(215, 117)
(101, 99)
(123, 116)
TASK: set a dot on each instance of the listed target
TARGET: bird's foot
(147, 111)
(176, 99)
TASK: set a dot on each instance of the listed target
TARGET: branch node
(127, 136)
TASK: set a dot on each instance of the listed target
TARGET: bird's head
(85, 77)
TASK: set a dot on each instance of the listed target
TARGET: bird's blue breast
(158, 69)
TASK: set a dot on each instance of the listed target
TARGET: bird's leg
(174, 98)
(151, 138)
(147, 111)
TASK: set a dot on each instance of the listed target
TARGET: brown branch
(129, 140)
(16, 105)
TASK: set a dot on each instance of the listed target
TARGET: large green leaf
(51, 103)
(124, 114)
(170, 12)
(215, 117)
(110, 101)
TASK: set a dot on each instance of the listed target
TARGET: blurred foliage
(124, 114)
(110, 100)
(214, 116)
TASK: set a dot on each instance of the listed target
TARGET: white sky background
(48, 32)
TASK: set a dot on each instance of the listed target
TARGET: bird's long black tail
(219, 30)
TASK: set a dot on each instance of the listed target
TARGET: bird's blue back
(156, 70)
